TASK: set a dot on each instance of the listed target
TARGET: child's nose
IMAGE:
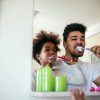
(51, 51)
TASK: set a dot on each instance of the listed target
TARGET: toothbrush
(61, 57)
(79, 48)
(55, 57)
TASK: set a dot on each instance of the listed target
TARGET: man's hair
(41, 38)
(73, 27)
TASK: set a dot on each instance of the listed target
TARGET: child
(45, 48)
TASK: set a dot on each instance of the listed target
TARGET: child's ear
(37, 56)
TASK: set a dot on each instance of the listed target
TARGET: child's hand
(77, 94)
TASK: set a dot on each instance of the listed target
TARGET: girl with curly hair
(45, 48)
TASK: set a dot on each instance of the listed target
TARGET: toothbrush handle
(88, 49)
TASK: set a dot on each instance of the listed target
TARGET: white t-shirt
(80, 75)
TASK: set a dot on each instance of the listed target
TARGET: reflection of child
(45, 48)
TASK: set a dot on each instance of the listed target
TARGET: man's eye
(74, 39)
(83, 39)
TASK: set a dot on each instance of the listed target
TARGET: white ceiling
(54, 15)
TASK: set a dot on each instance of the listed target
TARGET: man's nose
(79, 41)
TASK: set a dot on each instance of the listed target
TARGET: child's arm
(77, 94)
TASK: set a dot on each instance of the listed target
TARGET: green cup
(39, 80)
(60, 83)
(48, 80)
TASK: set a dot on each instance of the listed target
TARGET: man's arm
(97, 81)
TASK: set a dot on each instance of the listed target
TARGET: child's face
(48, 50)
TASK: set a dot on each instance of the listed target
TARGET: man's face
(74, 39)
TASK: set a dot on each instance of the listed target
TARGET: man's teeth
(79, 48)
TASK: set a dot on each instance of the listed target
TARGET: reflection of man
(73, 37)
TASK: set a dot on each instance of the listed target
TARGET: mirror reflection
(66, 44)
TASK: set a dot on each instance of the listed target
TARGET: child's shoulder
(59, 64)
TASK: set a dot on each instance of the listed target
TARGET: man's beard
(77, 55)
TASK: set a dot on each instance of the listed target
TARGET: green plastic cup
(60, 83)
(39, 80)
(48, 80)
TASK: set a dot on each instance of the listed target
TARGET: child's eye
(47, 49)
(54, 50)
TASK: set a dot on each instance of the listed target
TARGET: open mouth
(79, 48)
(53, 57)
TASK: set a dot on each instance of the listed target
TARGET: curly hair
(73, 27)
(41, 38)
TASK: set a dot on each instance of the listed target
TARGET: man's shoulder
(86, 66)
(83, 63)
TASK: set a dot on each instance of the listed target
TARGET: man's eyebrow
(74, 36)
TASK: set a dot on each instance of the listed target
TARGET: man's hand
(77, 94)
(96, 50)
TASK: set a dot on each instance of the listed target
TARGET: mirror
(55, 15)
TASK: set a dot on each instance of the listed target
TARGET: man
(74, 37)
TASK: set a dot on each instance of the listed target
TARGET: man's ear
(65, 45)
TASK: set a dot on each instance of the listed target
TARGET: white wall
(16, 18)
